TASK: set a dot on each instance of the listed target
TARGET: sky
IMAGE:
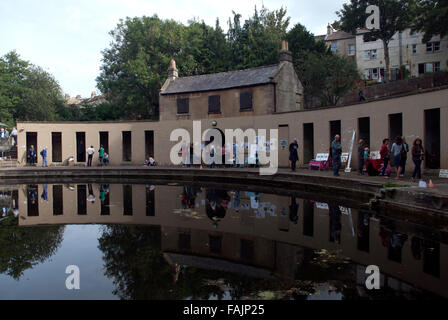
(66, 37)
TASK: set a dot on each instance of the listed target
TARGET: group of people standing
(103, 156)
(397, 154)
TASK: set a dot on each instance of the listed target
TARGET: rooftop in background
(223, 80)
(79, 101)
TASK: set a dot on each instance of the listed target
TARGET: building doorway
(395, 126)
(31, 140)
(335, 128)
(432, 138)
(80, 147)
(56, 147)
(283, 148)
(149, 144)
(364, 130)
(127, 146)
(308, 142)
(104, 140)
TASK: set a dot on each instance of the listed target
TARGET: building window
(183, 106)
(214, 104)
(433, 46)
(246, 100)
(351, 50)
(374, 73)
(334, 46)
(428, 67)
(414, 48)
(370, 54)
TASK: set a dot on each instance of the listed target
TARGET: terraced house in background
(406, 51)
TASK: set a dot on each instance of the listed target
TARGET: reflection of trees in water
(21, 248)
(134, 259)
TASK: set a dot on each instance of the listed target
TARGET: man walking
(43, 153)
(336, 152)
(90, 152)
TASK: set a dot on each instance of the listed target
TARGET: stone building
(340, 42)
(243, 93)
(405, 49)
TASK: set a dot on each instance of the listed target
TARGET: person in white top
(14, 135)
(90, 152)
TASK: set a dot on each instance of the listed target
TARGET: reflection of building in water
(256, 230)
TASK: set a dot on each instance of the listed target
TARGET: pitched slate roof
(223, 80)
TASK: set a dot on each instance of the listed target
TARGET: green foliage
(27, 92)
(22, 248)
(430, 17)
(395, 16)
(329, 77)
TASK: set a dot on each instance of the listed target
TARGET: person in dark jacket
(31, 156)
(417, 157)
(336, 153)
(294, 154)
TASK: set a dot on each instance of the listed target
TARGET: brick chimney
(173, 73)
(285, 55)
(329, 30)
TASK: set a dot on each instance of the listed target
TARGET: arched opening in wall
(432, 138)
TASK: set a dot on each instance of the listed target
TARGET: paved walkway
(441, 185)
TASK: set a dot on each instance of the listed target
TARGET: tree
(303, 44)
(23, 248)
(257, 42)
(329, 77)
(431, 17)
(395, 16)
(27, 92)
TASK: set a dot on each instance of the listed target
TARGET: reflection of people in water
(293, 211)
(43, 196)
(102, 193)
(237, 201)
(91, 196)
(417, 248)
(217, 202)
(335, 224)
(189, 196)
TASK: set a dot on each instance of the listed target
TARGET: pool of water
(199, 242)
